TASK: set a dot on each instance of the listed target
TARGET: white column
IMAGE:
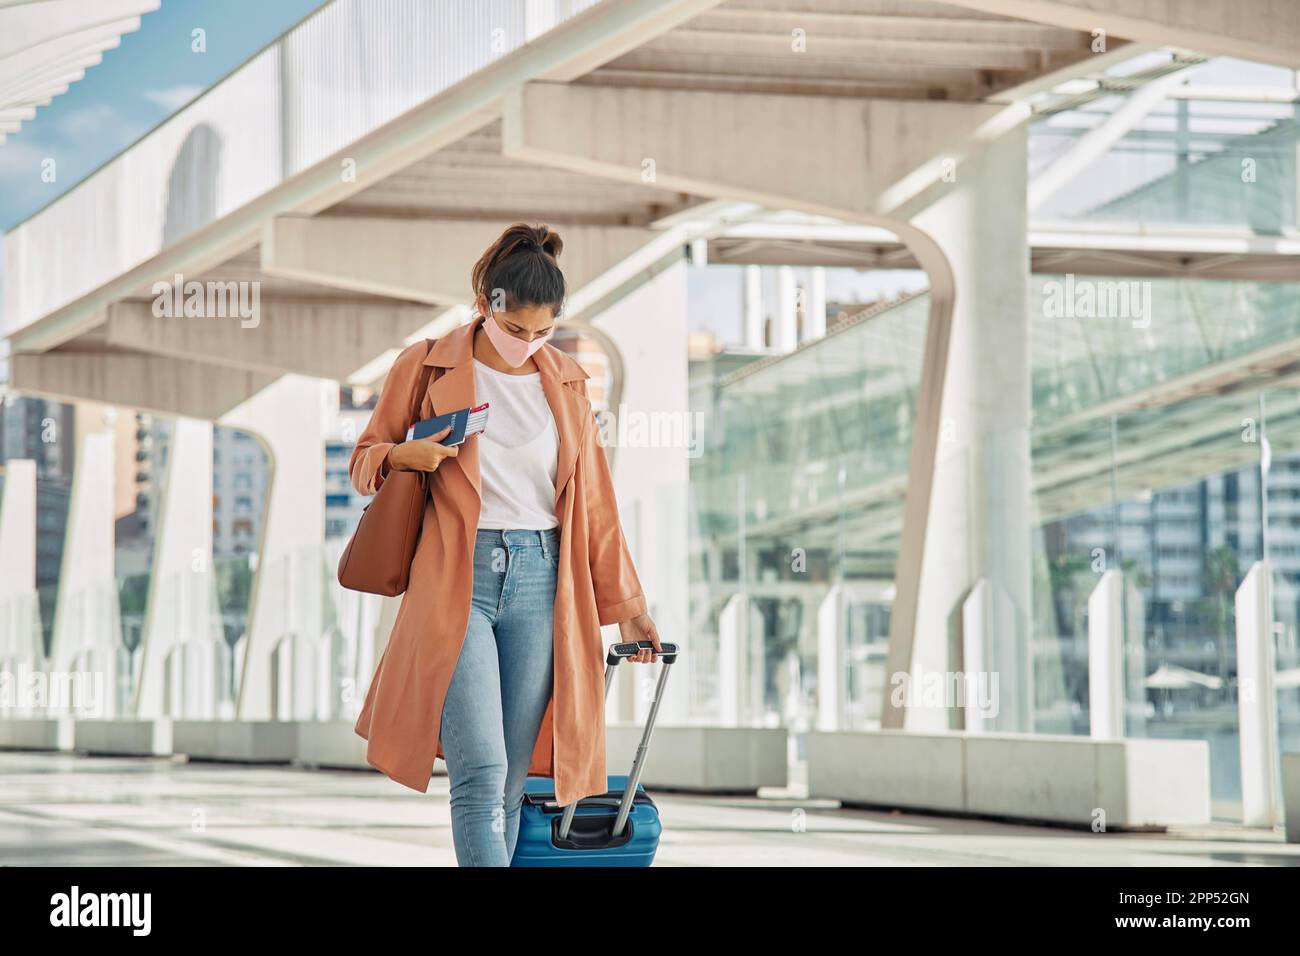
(21, 651)
(814, 313)
(787, 301)
(289, 419)
(181, 606)
(979, 510)
(976, 681)
(1106, 656)
(1135, 661)
(832, 663)
(17, 527)
(86, 622)
(733, 660)
(753, 307)
(1256, 699)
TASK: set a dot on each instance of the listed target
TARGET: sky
(149, 77)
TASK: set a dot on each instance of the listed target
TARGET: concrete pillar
(733, 660)
(787, 304)
(17, 527)
(754, 307)
(288, 419)
(814, 312)
(1257, 699)
(182, 607)
(1106, 656)
(978, 525)
(85, 644)
(832, 662)
(975, 683)
(20, 635)
(1135, 661)
(359, 617)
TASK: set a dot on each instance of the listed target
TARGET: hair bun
(512, 265)
(548, 240)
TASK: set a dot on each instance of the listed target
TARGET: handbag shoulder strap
(425, 372)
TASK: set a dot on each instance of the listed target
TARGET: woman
(495, 661)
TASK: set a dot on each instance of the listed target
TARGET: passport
(464, 423)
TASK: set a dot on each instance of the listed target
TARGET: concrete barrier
(127, 738)
(245, 741)
(684, 758)
(712, 759)
(36, 733)
(703, 759)
(1291, 795)
(889, 768)
(331, 743)
(1123, 783)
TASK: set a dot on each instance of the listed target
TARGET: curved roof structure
(47, 45)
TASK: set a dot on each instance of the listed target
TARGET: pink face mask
(514, 351)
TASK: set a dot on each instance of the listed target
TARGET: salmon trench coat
(596, 584)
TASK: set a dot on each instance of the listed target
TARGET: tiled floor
(58, 809)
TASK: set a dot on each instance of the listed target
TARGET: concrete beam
(1263, 30)
(882, 153)
(322, 339)
(422, 260)
(152, 383)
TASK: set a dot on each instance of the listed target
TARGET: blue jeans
(499, 691)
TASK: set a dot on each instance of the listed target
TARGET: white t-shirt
(517, 451)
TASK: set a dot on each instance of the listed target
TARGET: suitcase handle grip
(667, 652)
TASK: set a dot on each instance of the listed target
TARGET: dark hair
(521, 263)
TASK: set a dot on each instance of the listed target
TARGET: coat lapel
(571, 409)
(454, 389)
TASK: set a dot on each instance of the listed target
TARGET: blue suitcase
(617, 828)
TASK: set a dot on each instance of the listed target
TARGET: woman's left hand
(641, 628)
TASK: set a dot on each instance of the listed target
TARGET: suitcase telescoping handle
(617, 652)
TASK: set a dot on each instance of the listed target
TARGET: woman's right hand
(421, 454)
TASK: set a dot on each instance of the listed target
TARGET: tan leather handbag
(378, 557)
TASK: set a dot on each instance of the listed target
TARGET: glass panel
(1224, 158)
(795, 510)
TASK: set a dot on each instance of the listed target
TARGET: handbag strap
(425, 372)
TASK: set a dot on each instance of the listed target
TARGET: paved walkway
(59, 809)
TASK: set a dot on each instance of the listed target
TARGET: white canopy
(47, 45)
(1173, 677)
